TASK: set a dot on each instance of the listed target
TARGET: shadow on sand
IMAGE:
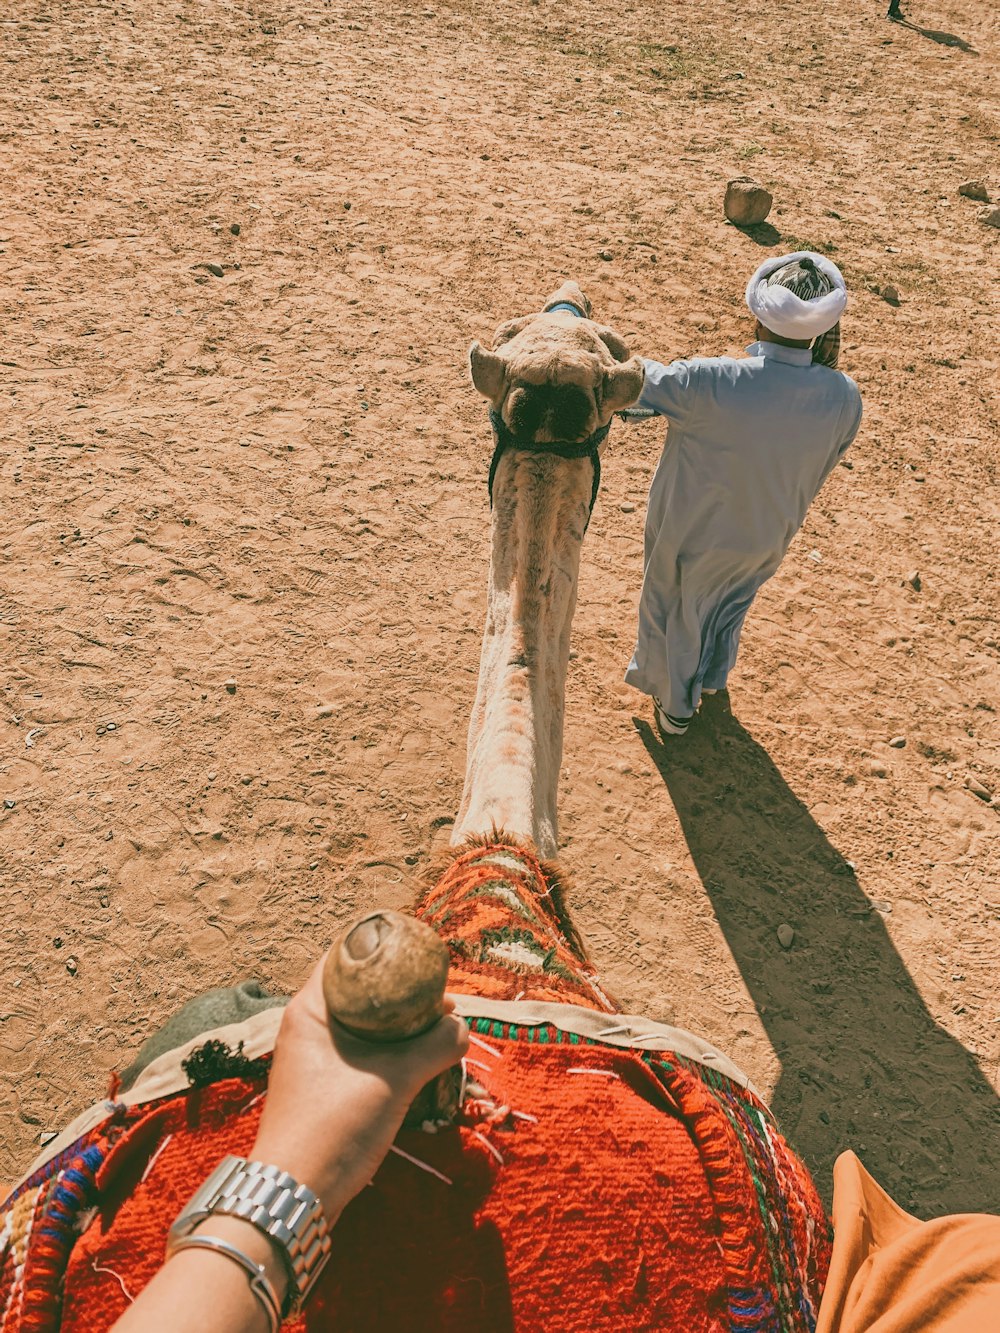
(863, 1063)
(935, 35)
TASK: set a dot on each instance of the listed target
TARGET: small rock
(627, 507)
(889, 294)
(876, 768)
(347, 205)
(898, 742)
(216, 270)
(990, 217)
(606, 255)
(103, 900)
(46, 1136)
(913, 579)
(825, 1117)
(212, 776)
(71, 966)
(108, 836)
(57, 943)
(411, 860)
(977, 789)
(882, 905)
(786, 935)
(326, 710)
(246, 779)
(975, 190)
(234, 228)
(746, 202)
(230, 685)
(9, 804)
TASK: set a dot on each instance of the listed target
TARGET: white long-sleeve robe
(750, 442)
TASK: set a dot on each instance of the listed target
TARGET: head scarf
(801, 296)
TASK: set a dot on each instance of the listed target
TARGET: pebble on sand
(230, 685)
(606, 255)
(216, 270)
(746, 202)
(786, 935)
(975, 189)
(877, 769)
(898, 742)
(890, 294)
(326, 710)
(990, 217)
(913, 579)
(234, 228)
(627, 507)
(977, 789)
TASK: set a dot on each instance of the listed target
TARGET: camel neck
(541, 507)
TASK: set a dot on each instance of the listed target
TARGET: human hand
(335, 1102)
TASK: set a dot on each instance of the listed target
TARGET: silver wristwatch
(273, 1202)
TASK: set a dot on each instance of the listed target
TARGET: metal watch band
(274, 1202)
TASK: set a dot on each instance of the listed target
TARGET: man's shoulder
(848, 389)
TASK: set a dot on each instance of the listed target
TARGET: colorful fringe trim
(38, 1228)
(500, 911)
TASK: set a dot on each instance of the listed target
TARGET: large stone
(746, 202)
(975, 190)
(990, 216)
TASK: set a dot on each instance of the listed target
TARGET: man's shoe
(669, 726)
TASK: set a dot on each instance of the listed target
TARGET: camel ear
(509, 328)
(489, 372)
(612, 342)
(623, 385)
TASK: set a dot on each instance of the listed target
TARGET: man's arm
(854, 422)
(667, 391)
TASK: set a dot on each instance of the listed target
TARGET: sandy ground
(276, 478)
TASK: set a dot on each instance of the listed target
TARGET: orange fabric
(537, 1225)
(499, 909)
(892, 1273)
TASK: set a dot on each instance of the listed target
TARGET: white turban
(782, 312)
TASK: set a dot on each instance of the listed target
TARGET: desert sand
(245, 247)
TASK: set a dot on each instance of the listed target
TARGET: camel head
(556, 376)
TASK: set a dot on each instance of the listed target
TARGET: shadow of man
(932, 34)
(864, 1065)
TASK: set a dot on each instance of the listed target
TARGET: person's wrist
(319, 1169)
(254, 1243)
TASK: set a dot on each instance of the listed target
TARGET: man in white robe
(750, 442)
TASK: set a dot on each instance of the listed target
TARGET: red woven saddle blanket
(589, 1185)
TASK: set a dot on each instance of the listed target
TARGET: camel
(551, 379)
(603, 1172)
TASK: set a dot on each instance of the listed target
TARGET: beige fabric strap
(164, 1077)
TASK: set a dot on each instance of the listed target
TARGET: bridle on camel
(504, 438)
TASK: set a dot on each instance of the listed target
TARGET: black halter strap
(504, 439)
